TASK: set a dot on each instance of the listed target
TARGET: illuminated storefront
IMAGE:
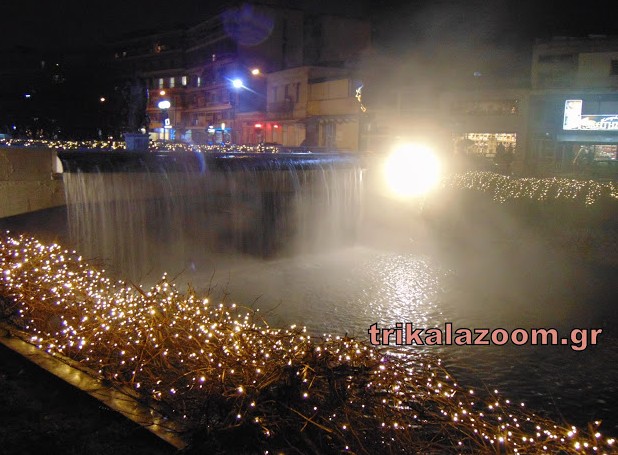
(484, 145)
(221, 135)
(571, 133)
(589, 131)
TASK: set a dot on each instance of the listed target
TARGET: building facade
(208, 83)
(488, 127)
(476, 125)
(314, 107)
(573, 122)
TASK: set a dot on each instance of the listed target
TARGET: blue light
(237, 83)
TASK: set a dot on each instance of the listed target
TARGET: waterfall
(144, 222)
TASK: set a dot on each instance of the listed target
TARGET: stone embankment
(29, 180)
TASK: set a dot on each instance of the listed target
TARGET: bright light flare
(237, 83)
(412, 170)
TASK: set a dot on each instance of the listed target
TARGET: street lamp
(164, 105)
(238, 84)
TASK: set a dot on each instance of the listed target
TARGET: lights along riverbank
(218, 369)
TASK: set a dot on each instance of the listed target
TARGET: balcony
(281, 107)
(337, 106)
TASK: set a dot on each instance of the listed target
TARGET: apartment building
(573, 103)
(208, 82)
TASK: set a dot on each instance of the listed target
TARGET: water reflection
(350, 289)
(344, 290)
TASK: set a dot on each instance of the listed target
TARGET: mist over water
(326, 248)
(145, 224)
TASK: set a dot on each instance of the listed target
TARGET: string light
(121, 145)
(178, 349)
(503, 188)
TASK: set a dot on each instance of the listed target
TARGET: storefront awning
(590, 137)
(344, 118)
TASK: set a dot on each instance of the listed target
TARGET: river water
(394, 272)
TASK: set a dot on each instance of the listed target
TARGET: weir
(146, 213)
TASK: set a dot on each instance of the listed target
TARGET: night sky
(69, 24)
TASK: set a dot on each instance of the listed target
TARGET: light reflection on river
(348, 290)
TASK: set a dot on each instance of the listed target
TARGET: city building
(475, 123)
(207, 83)
(574, 103)
(313, 106)
(488, 126)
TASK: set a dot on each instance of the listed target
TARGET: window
(161, 83)
(172, 82)
(184, 80)
(613, 68)
(199, 81)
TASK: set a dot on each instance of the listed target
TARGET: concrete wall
(28, 181)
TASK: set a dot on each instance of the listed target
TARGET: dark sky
(80, 23)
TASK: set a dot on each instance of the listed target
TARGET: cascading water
(144, 223)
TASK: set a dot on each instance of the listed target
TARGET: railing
(281, 107)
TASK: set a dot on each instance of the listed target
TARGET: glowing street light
(255, 71)
(102, 99)
(164, 104)
(162, 93)
(237, 83)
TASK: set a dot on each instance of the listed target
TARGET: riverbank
(42, 414)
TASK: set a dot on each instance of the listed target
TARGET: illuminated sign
(575, 120)
(167, 123)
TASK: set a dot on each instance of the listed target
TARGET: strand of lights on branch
(182, 350)
(503, 188)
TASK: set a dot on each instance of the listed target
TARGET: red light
(258, 125)
(275, 126)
